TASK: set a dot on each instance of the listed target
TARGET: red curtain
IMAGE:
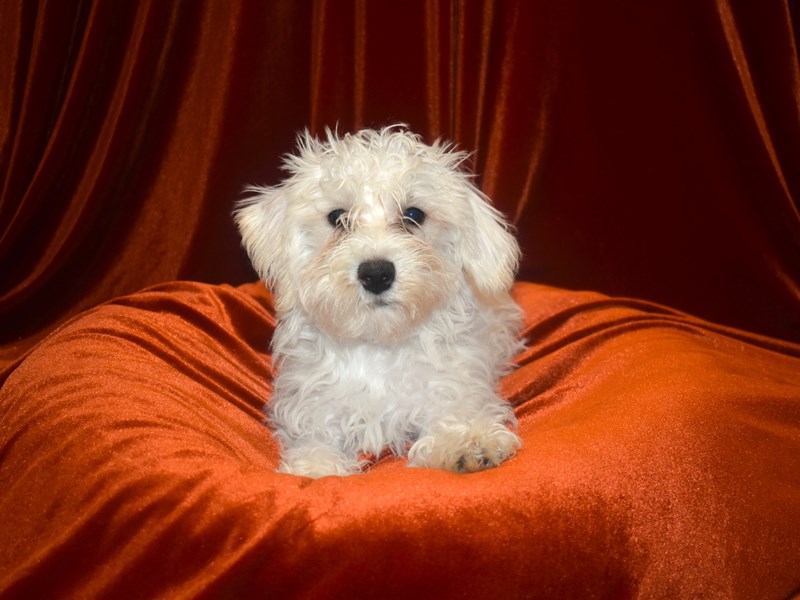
(647, 149)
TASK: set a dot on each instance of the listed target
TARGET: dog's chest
(385, 375)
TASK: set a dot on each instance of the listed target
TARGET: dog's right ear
(261, 219)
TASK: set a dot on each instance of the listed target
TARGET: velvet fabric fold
(645, 150)
(642, 149)
(660, 459)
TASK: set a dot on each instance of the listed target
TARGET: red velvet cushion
(661, 460)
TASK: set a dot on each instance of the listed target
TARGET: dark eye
(413, 216)
(337, 218)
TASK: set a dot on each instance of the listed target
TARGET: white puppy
(391, 277)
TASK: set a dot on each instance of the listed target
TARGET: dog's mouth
(381, 303)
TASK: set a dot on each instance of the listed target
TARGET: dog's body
(391, 275)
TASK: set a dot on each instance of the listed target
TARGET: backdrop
(646, 149)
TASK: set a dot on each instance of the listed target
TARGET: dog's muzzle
(376, 276)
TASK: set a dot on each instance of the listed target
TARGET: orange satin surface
(661, 459)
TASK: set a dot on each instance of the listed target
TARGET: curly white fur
(411, 362)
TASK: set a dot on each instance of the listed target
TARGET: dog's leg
(311, 458)
(465, 445)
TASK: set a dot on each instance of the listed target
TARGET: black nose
(376, 276)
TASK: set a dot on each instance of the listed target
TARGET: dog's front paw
(464, 448)
(317, 461)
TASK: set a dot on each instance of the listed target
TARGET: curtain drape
(642, 149)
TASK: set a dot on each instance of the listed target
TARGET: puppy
(391, 277)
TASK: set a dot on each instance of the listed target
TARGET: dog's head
(372, 232)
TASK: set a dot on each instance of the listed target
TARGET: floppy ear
(261, 219)
(489, 251)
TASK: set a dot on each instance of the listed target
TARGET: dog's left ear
(489, 251)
